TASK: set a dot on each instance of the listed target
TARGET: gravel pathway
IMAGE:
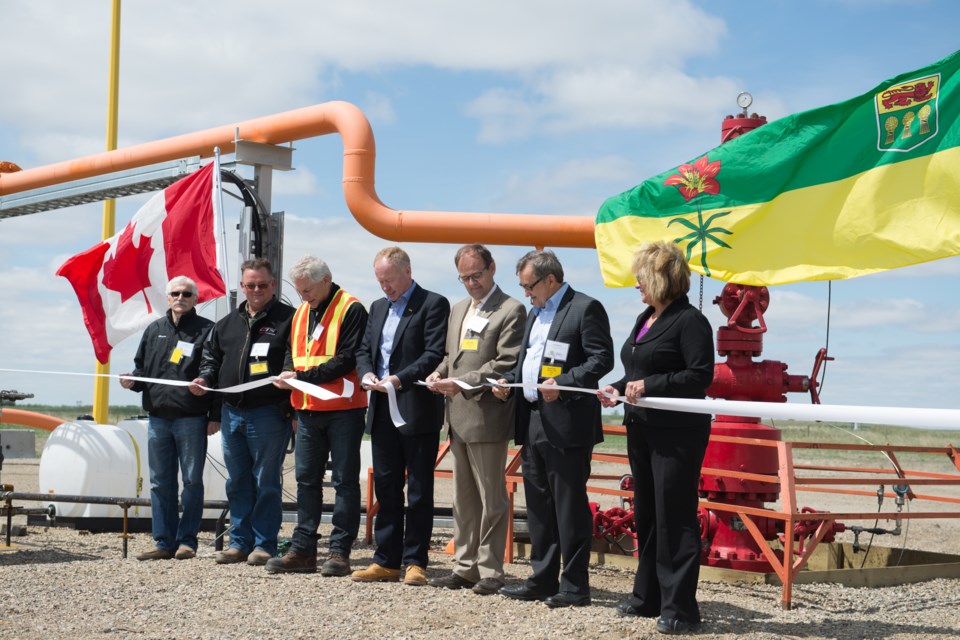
(59, 583)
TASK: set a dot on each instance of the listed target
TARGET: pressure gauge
(744, 99)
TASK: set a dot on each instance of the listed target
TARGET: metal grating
(97, 189)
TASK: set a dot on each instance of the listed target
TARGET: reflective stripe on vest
(308, 353)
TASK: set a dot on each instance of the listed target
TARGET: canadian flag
(121, 282)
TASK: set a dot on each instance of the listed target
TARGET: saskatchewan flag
(853, 188)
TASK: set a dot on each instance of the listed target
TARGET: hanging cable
(826, 341)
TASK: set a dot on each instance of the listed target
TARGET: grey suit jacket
(477, 416)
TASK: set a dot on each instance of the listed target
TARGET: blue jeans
(172, 445)
(320, 434)
(254, 444)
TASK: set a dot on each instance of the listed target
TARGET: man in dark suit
(403, 343)
(483, 340)
(566, 342)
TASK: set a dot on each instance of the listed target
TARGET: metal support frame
(796, 553)
(114, 185)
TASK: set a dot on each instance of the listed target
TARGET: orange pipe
(30, 419)
(359, 154)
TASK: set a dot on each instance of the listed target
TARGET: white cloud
(562, 189)
(299, 182)
(189, 66)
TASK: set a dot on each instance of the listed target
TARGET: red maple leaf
(128, 271)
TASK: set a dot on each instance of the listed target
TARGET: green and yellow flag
(854, 188)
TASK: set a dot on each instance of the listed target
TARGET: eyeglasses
(181, 294)
(250, 286)
(473, 277)
(529, 287)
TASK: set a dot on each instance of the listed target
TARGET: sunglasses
(181, 294)
(250, 286)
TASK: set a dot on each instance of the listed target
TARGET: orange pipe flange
(359, 154)
(29, 419)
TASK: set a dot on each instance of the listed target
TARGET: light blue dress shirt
(538, 341)
(390, 325)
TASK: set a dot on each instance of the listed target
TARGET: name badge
(176, 356)
(258, 368)
(477, 324)
(186, 348)
(554, 350)
(260, 349)
(548, 371)
(316, 332)
(471, 344)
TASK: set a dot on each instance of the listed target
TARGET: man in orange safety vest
(326, 331)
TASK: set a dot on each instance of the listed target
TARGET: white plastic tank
(89, 459)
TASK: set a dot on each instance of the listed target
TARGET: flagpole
(218, 182)
(101, 388)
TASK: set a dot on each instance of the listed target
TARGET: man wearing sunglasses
(248, 345)
(180, 422)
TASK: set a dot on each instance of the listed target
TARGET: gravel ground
(59, 583)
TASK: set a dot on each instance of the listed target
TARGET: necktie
(472, 311)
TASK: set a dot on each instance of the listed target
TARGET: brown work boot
(185, 553)
(415, 576)
(258, 557)
(337, 565)
(376, 573)
(292, 562)
(232, 555)
(156, 554)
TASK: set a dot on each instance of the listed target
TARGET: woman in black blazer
(668, 354)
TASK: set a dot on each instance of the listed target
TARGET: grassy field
(69, 412)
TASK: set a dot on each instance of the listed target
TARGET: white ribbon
(899, 416)
(460, 383)
(305, 387)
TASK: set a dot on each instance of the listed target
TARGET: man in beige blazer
(483, 340)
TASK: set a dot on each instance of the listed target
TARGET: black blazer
(574, 419)
(418, 350)
(674, 359)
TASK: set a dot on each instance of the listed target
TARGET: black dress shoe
(523, 592)
(451, 581)
(676, 627)
(625, 608)
(567, 600)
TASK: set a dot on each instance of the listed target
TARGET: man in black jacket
(566, 342)
(248, 345)
(179, 422)
(403, 342)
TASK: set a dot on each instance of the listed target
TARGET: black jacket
(418, 347)
(227, 358)
(155, 359)
(573, 420)
(674, 359)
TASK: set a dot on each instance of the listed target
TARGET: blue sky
(521, 107)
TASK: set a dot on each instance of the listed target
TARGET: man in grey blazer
(566, 342)
(483, 340)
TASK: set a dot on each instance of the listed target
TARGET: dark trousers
(666, 468)
(402, 534)
(558, 514)
(323, 434)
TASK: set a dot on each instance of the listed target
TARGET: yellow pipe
(101, 389)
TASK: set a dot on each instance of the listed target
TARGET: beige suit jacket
(477, 416)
